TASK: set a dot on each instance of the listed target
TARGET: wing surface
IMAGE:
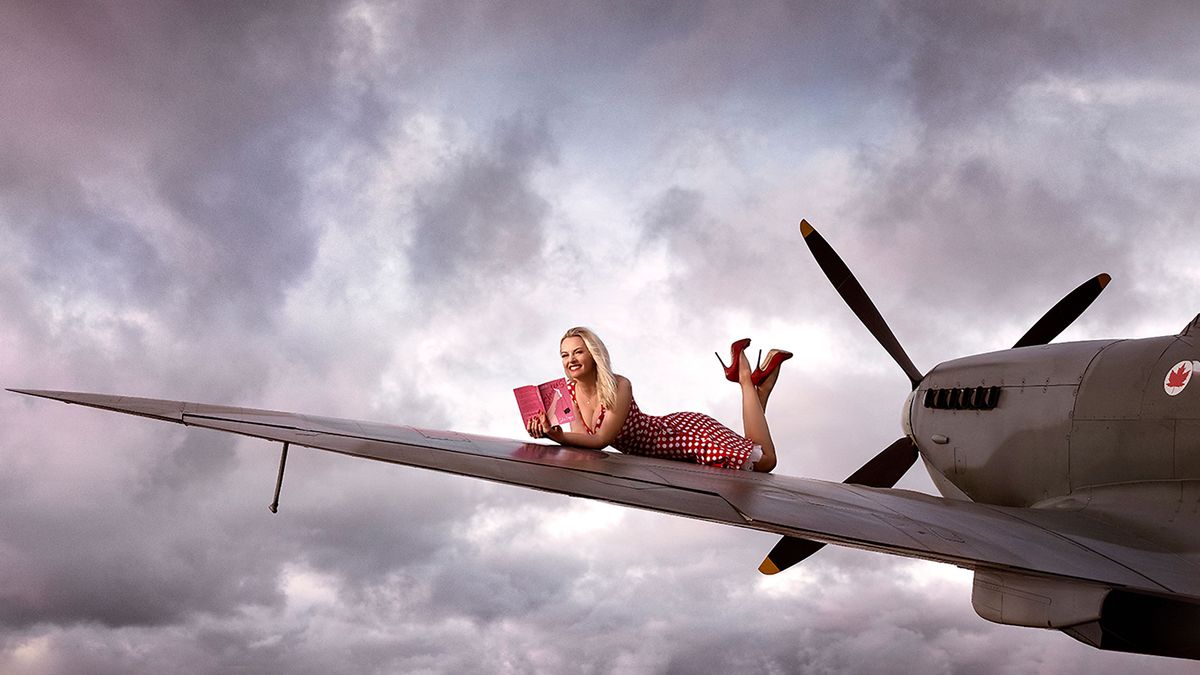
(1062, 544)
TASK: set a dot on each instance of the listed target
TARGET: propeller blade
(888, 467)
(788, 552)
(1064, 313)
(854, 295)
(883, 471)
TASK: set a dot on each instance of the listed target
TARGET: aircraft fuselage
(1023, 426)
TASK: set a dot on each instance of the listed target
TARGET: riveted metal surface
(1116, 451)
(1017, 453)
(1126, 426)
(1052, 364)
(1187, 449)
(1114, 384)
(1024, 440)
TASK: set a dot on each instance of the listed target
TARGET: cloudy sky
(392, 210)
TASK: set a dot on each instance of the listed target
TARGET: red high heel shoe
(774, 358)
(735, 350)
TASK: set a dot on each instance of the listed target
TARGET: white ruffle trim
(755, 455)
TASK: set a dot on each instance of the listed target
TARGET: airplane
(1069, 474)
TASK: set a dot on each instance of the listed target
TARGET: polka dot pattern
(685, 436)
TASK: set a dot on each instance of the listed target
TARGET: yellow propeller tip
(805, 228)
(768, 567)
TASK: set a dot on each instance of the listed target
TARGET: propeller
(883, 471)
(886, 468)
(854, 295)
(1064, 313)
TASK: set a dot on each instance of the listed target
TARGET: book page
(529, 401)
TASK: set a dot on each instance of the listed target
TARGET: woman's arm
(614, 419)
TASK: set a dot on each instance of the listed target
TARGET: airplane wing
(1045, 543)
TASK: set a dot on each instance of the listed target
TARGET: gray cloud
(964, 63)
(219, 204)
(1010, 178)
(73, 248)
(209, 112)
(483, 218)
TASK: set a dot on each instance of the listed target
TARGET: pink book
(550, 397)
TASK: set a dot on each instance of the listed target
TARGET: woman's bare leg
(753, 419)
(764, 389)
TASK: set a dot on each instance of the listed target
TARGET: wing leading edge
(1039, 542)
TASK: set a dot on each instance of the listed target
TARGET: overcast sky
(391, 211)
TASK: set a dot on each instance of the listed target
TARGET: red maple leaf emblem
(1179, 376)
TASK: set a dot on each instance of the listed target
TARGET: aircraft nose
(906, 415)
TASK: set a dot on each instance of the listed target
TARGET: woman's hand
(536, 425)
(539, 427)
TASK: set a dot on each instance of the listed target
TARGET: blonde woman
(607, 414)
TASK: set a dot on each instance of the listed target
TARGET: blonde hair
(606, 382)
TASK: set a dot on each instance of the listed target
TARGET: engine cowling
(1023, 426)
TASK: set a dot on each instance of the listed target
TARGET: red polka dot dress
(685, 436)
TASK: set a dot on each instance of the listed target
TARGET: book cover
(550, 397)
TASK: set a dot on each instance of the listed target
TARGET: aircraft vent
(963, 398)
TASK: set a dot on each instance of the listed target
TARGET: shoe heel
(775, 358)
(735, 353)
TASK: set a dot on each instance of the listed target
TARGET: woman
(608, 415)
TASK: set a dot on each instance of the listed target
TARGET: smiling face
(577, 360)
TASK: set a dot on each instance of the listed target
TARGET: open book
(550, 397)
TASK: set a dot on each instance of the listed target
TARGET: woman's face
(577, 360)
